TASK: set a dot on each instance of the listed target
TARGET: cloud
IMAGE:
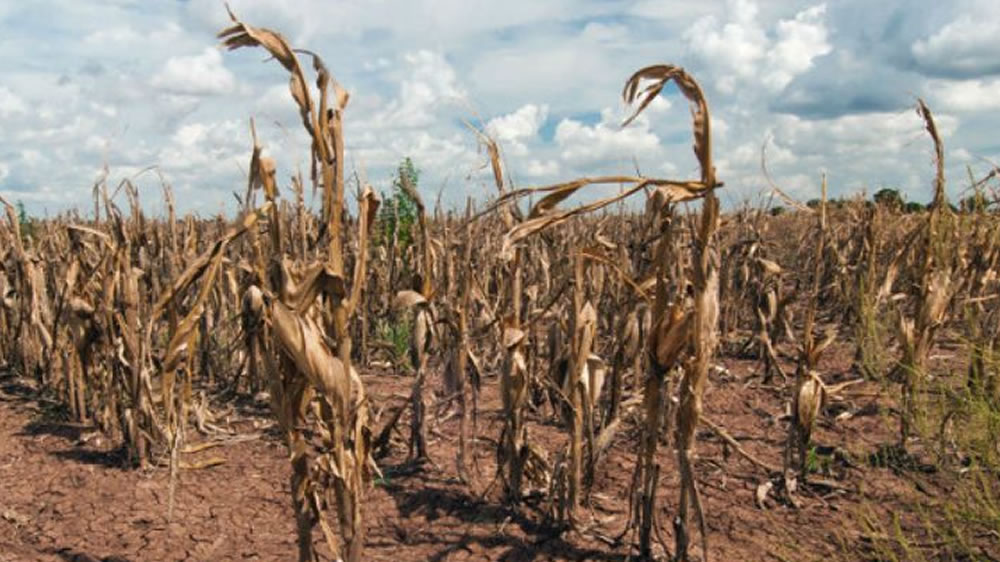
(196, 75)
(513, 129)
(606, 142)
(430, 83)
(867, 135)
(207, 144)
(732, 49)
(960, 154)
(846, 84)
(114, 35)
(537, 168)
(831, 83)
(741, 50)
(10, 103)
(799, 41)
(967, 95)
(965, 47)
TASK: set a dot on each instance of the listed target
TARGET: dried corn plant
(307, 375)
(28, 298)
(461, 372)
(983, 325)
(514, 449)
(684, 328)
(423, 326)
(809, 392)
(770, 307)
(582, 386)
(865, 287)
(937, 286)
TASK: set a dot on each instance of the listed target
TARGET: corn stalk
(305, 366)
(935, 292)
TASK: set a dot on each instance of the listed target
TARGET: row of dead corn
(608, 316)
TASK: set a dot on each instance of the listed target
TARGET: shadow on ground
(435, 499)
(70, 555)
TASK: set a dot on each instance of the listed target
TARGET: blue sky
(832, 85)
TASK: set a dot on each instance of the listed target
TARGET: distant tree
(777, 210)
(813, 203)
(889, 198)
(913, 207)
(974, 203)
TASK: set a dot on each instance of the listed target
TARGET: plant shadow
(480, 524)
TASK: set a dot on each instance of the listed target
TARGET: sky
(143, 87)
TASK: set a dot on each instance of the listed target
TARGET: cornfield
(548, 346)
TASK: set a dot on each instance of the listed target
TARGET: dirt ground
(64, 495)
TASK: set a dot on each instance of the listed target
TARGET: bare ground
(64, 495)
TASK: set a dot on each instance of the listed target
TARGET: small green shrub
(398, 213)
(395, 335)
(27, 225)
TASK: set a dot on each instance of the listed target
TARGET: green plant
(27, 226)
(871, 334)
(398, 214)
(817, 463)
(396, 335)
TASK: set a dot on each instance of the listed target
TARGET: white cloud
(113, 35)
(380, 63)
(740, 50)
(537, 168)
(96, 143)
(31, 157)
(967, 45)
(747, 157)
(605, 142)
(206, 147)
(966, 95)
(197, 75)
(419, 122)
(513, 129)
(668, 9)
(103, 109)
(868, 134)
(449, 153)
(604, 33)
(720, 128)
(735, 48)
(830, 82)
(800, 40)
(59, 131)
(431, 83)
(960, 154)
(10, 103)
(801, 186)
